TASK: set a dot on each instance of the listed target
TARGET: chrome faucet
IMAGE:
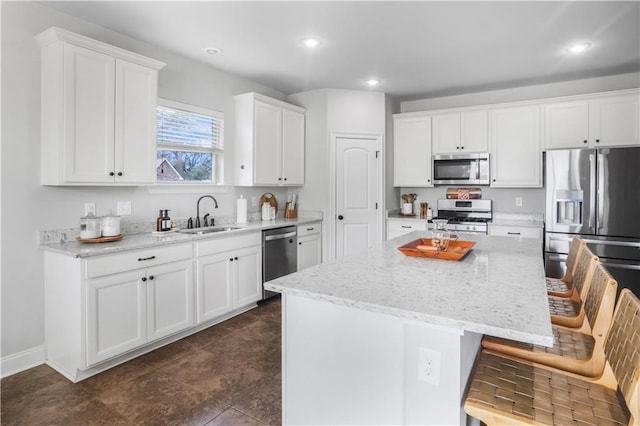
(198, 211)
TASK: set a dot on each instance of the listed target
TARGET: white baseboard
(21, 361)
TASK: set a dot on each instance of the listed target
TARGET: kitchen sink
(209, 229)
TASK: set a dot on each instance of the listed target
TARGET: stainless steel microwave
(461, 169)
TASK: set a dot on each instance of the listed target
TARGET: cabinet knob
(279, 178)
(494, 180)
(340, 217)
(151, 277)
(584, 141)
(428, 180)
(285, 178)
(597, 140)
(299, 243)
(144, 279)
(462, 147)
(111, 174)
(119, 173)
(235, 258)
(231, 259)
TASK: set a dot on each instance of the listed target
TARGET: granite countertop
(497, 289)
(146, 240)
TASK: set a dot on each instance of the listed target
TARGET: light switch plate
(518, 201)
(89, 207)
(124, 208)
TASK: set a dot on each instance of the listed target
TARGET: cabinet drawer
(405, 226)
(217, 245)
(303, 230)
(515, 231)
(131, 260)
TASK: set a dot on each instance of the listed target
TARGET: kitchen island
(383, 338)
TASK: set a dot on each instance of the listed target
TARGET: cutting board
(269, 198)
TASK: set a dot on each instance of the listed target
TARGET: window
(190, 144)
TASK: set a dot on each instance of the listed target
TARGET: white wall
(28, 207)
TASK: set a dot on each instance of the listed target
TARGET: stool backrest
(600, 301)
(622, 348)
(583, 271)
(574, 251)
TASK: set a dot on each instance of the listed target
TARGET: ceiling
(417, 49)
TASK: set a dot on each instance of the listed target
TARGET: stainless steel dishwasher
(279, 255)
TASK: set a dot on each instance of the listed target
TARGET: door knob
(340, 217)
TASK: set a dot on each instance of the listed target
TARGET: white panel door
(248, 275)
(135, 123)
(169, 299)
(356, 195)
(89, 96)
(446, 133)
(474, 131)
(116, 315)
(292, 147)
(309, 251)
(566, 124)
(268, 144)
(215, 286)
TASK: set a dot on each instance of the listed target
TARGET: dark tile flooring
(228, 374)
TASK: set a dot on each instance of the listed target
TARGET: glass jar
(110, 225)
(89, 226)
(440, 236)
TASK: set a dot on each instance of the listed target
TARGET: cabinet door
(135, 123)
(116, 315)
(268, 144)
(446, 133)
(214, 285)
(292, 147)
(614, 121)
(566, 125)
(516, 154)
(474, 132)
(169, 299)
(309, 251)
(247, 265)
(89, 96)
(412, 151)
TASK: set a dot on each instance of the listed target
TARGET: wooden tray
(269, 198)
(101, 239)
(457, 249)
(408, 214)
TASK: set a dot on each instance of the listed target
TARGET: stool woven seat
(522, 393)
(563, 287)
(572, 351)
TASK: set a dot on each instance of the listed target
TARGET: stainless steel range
(465, 216)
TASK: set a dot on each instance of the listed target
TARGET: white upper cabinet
(412, 150)
(608, 120)
(98, 112)
(516, 151)
(269, 142)
(460, 132)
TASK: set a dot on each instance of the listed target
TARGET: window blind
(176, 127)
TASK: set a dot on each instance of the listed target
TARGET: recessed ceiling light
(311, 42)
(212, 50)
(373, 82)
(578, 47)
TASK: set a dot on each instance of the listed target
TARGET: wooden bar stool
(569, 312)
(505, 391)
(563, 287)
(575, 352)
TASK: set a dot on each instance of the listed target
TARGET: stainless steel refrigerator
(595, 194)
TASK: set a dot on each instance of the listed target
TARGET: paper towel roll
(241, 205)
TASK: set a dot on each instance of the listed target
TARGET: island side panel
(343, 365)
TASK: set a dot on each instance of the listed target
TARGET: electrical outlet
(124, 208)
(429, 366)
(254, 201)
(518, 201)
(89, 208)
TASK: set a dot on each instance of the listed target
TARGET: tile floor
(228, 374)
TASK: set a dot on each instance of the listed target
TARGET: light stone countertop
(146, 240)
(497, 289)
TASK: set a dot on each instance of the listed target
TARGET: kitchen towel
(241, 206)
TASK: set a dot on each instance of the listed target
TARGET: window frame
(217, 178)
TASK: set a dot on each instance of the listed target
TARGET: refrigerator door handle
(600, 218)
(592, 191)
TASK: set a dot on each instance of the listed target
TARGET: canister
(89, 226)
(110, 225)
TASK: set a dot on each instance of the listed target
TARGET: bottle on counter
(163, 222)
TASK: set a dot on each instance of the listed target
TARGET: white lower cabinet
(309, 246)
(398, 227)
(127, 310)
(228, 274)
